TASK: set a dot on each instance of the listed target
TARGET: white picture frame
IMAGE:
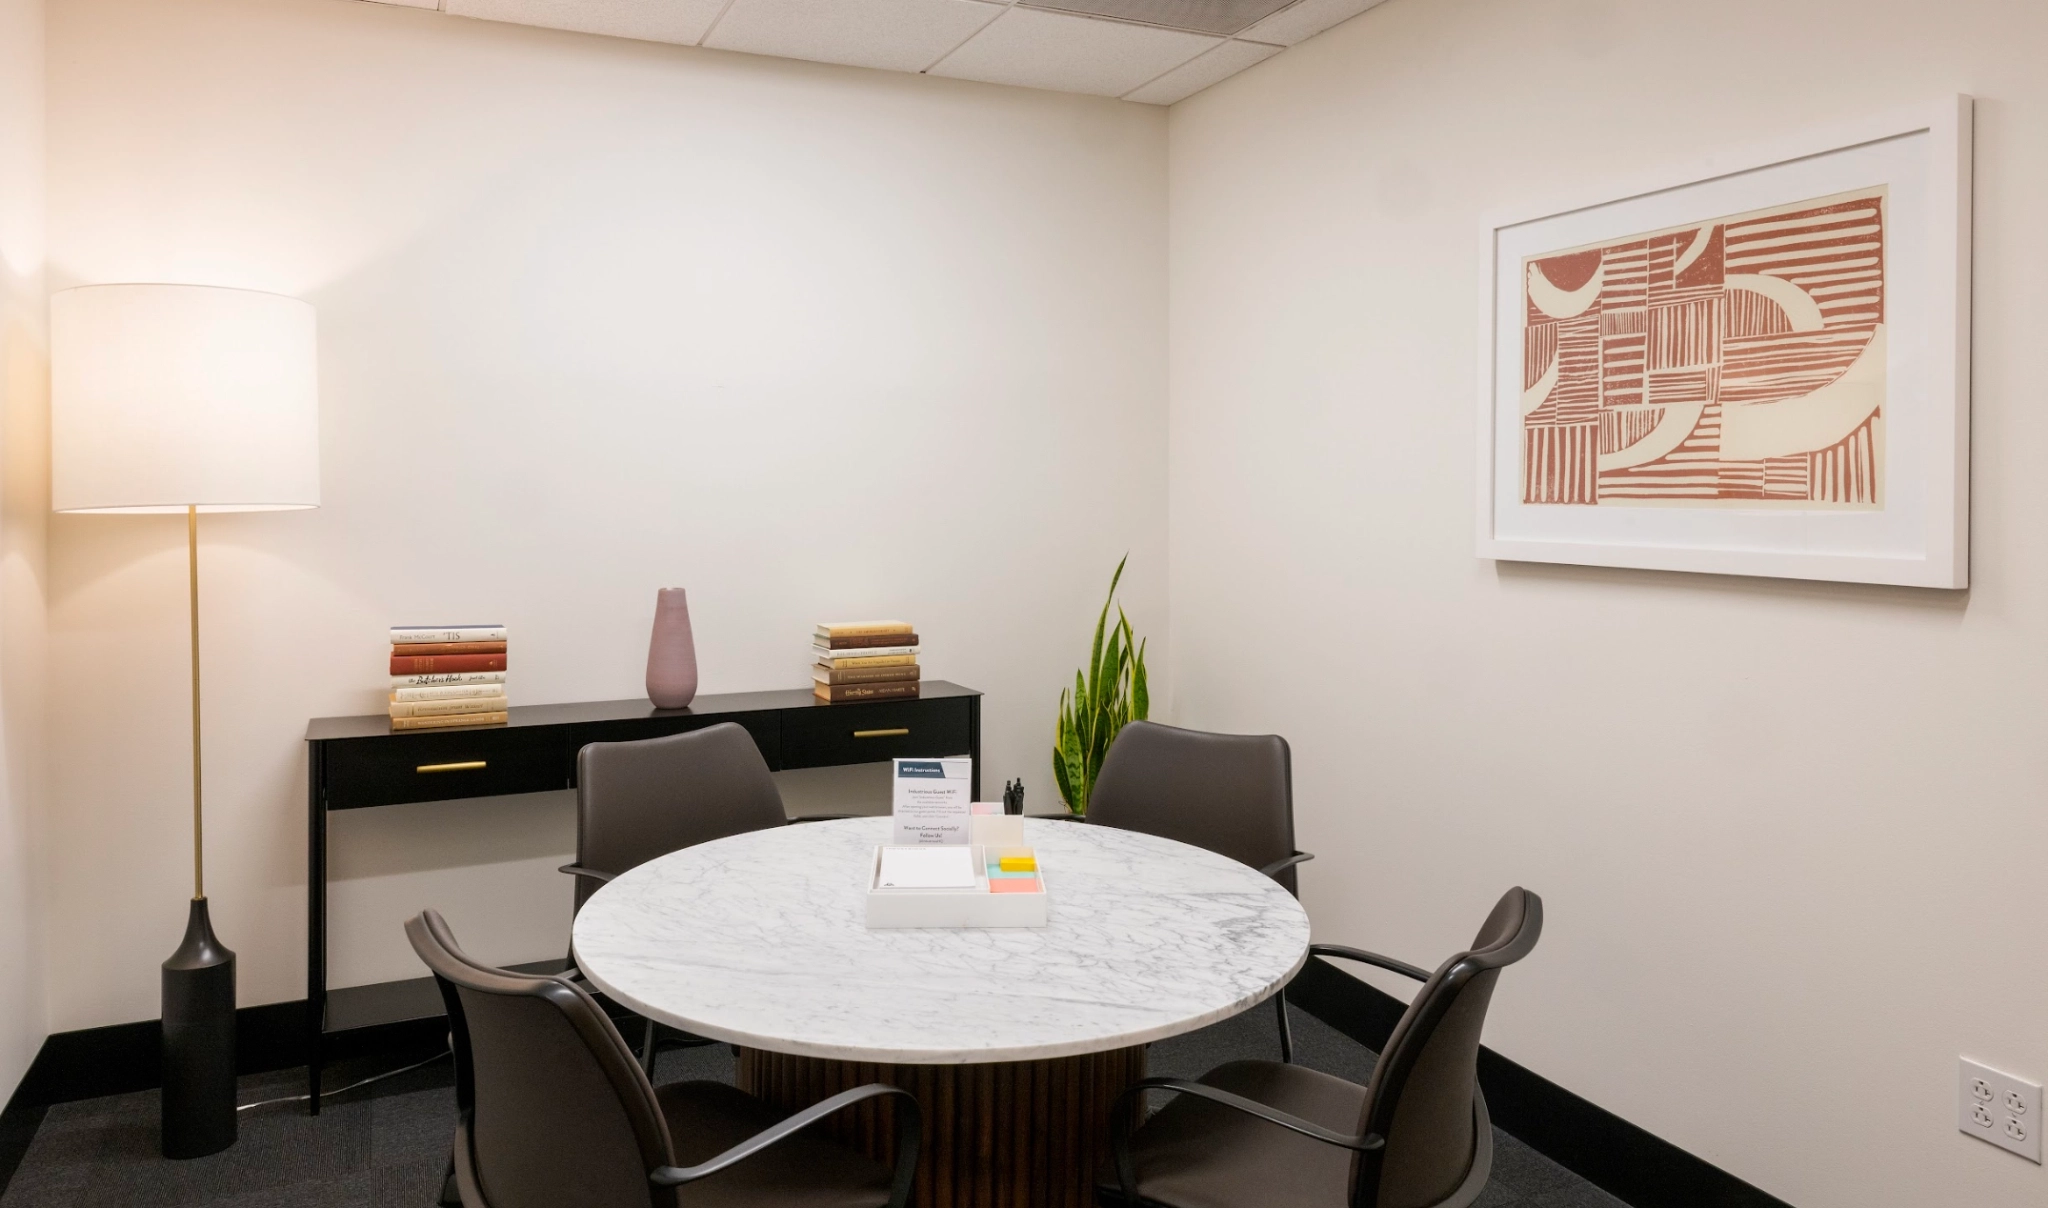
(1910, 526)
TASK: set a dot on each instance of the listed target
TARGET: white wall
(23, 498)
(1790, 835)
(596, 317)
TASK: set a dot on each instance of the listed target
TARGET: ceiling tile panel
(681, 21)
(1302, 20)
(1201, 16)
(1070, 54)
(1191, 77)
(896, 35)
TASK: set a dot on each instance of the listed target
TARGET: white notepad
(935, 867)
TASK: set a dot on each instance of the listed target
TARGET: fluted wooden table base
(1026, 1134)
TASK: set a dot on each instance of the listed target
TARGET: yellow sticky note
(1016, 862)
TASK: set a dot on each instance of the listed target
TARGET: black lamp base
(199, 1043)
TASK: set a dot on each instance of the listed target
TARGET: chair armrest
(1371, 958)
(1286, 862)
(577, 870)
(1126, 1173)
(909, 1134)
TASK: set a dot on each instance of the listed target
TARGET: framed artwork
(1757, 367)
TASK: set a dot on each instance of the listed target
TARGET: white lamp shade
(169, 396)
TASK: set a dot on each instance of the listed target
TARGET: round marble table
(1016, 1041)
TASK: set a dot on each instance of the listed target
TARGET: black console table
(359, 762)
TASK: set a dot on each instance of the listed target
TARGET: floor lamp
(186, 399)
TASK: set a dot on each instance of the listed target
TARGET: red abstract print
(1734, 363)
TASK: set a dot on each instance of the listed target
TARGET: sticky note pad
(997, 874)
(1018, 864)
(1013, 885)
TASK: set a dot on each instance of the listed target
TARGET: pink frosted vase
(671, 652)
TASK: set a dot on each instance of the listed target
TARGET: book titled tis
(404, 635)
(429, 664)
(836, 693)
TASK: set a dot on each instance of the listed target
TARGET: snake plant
(1109, 692)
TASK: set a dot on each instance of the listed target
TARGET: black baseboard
(1636, 1166)
(124, 1057)
(127, 1057)
(18, 1127)
(1640, 1168)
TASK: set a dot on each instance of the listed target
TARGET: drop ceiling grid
(890, 35)
(1027, 43)
(1035, 48)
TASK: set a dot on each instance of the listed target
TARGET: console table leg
(1026, 1134)
(316, 923)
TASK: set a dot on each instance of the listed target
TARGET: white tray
(975, 907)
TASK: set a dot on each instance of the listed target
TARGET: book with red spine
(438, 664)
(415, 649)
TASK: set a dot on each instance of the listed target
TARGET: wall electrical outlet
(1999, 1108)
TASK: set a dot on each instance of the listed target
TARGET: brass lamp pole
(198, 812)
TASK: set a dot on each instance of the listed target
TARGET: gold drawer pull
(896, 733)
(468, 765)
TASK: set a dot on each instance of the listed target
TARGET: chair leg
(451, 1195)
(1286, 1032)
(647, 1050)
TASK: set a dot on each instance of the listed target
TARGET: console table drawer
(441, 767)
(833, 735)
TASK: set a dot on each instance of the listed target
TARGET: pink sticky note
(1014, 885)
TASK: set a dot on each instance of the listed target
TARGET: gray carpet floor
(386, 1145)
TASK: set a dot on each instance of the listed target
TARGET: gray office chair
(1230, 793)
(639, 800)
(553, 1110)
(1256, 1133)
(636, 801)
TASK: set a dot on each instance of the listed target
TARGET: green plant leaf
(1112, 673)
(1110, 691)
(1141, 694)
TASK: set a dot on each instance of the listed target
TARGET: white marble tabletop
(760, 940)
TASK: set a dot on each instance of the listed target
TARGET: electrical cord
(342, 1090)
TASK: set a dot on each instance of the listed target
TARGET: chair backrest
(559, 1111)
(1230, 793)
(1420, 1095)
(435, 930)
(639, 800)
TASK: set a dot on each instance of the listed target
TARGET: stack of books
(447, 676)
(864, 660)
